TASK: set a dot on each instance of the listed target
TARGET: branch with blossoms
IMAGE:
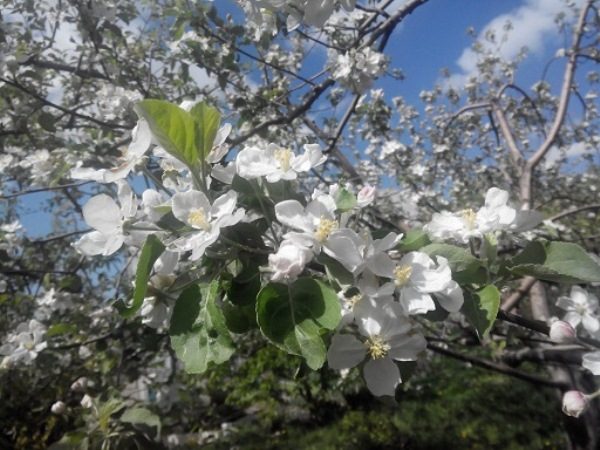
(233, 246)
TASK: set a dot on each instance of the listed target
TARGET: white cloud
(533, 26)
(571, 154)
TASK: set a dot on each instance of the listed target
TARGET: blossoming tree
(191, 218)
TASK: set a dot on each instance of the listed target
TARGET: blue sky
(433, 37)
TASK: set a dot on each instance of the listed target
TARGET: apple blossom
(277, 163)
(289, 261)
(194, 209)
(387, 336)
(103, 214)
(591, 362)
(582, 308)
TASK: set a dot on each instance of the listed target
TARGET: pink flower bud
(87, 401)
(58, 408)
(80, 385)
(574, 403)
(365, 196)
(562, 332)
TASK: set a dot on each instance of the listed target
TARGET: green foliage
(294, 317)
(481, 308)
(414, 240)
(344, 200)
(151, 251)
(446, 406)
(198, 332)
(188, 136)
(207, 120)
(560, 262)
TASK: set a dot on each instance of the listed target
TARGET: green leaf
(59, 329)
(295, 317)
(560, 262)
(151, 251)
(173, 128)
(489, 249)
(207, 120)
(345, 200)
(413, 240)
(198, 332)
(481, 308)
(141, 416)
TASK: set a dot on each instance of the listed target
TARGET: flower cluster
(494, 216)
(356, 69)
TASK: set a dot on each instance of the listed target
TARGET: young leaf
(141, 416)
(481, 309)
(345, 200)
(207, 120)
(414, 240)
(151, 251)
(561, 262)
(293, 318)
(198, 332)
(173, 128)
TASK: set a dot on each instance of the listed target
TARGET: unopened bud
(562, 332)
(574, 403)
(58, 408)
(366, 196)
(87, 401)
(80, 384)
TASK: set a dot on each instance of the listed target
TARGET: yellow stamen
(284, 156)
(470, 217)
(377, 347)
(198, 219)
(325, 228)
(402, 274)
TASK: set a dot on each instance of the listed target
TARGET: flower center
(469, 216)
(351, 302)
(402, 275)
(284, 156)
(198, 219)
(377, 347)
(324, 229)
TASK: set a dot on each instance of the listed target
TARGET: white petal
(186, 202)
(382, 376)
(415, 302)
(224, 205)
(451, 298)
(222, 173)
(253, 162)
(292, 214)
(343, 249)
(127, 199)
(591, 362)
(590, 323)
(495, 198)
(407, 347)
(345, 352)
(103, 214)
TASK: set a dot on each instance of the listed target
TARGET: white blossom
(24, 344)
(289, 261)
(277, 163)
(194, 209)
(387, 337)
(107, 218)
(131, 157)
(494, 216)
(582, 308)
